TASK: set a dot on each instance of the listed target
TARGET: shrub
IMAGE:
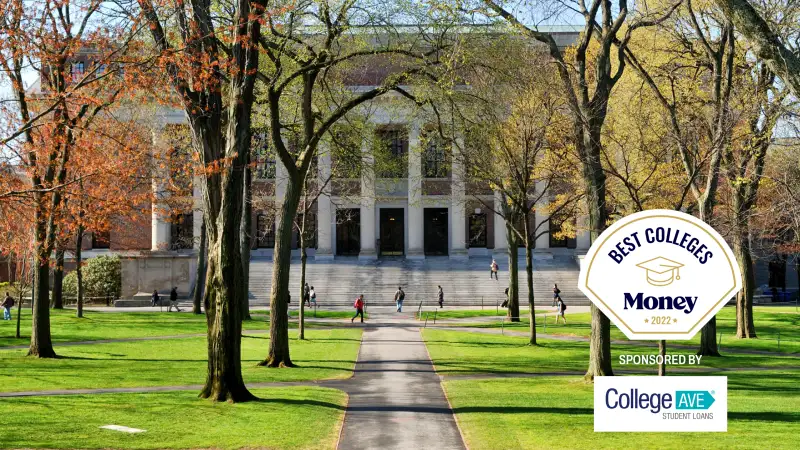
(102, 276)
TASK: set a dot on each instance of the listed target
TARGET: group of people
(155, 299)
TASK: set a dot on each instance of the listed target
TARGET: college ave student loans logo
(661, 404)
(660, 274)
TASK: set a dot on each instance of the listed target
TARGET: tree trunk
(19, 315)
(246, 236)
(745, 327)
(79, 270)
(301, 314)
(595, 181)
(58, 279)
(529, 272)
(41, 342)
(708, 334)
(278, 355)
(200, 277)
(513, 275)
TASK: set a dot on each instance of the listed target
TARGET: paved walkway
(396, 398)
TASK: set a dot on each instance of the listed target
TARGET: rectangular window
(311, 231)
(391, 157)
(264, 156)
(101, 239)
(265, 229)
(436, 163)
(477, 230)
(77, 70)
(182, 232)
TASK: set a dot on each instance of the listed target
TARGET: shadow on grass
(522, 410)
(764, 416)
(300, 403)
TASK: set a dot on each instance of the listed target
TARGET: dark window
(555, 227)
(101, 239)
(265, 227)
(264, 156)
(182, 232)
(391, 158)
(436, 160)
(180, 172)
(477, 230)
(77, 71)
(311, 231)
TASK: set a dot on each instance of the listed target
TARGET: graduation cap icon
(661, 271)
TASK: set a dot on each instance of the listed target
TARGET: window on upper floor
(182, 237)
(101, 239)
(436, 163)
(391, 155)
(265, 231)
(477, 230)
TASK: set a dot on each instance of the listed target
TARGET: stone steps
(464, 282)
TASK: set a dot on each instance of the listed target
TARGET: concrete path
(396, 398)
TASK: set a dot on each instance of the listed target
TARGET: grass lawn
(65, 327)
(557, 412)
(284, 418)
(324, 354)
(770, 321)
(467, 313)
(462, 353)
(309, 313)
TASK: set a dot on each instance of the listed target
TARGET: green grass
(467, 313)
(463, 353)
(325, 354)
(309, 313)
(65, 327)
(769, 322)
(557, 412)
(284, 418)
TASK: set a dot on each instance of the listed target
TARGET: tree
(695, 94)
(211, 67)
(311, 47)
(50, 37)
(768, 45)
(588, 97)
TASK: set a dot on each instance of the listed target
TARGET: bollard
(426, 320)
(497, 306)
(545, 323)
(315, 310)
(435, 311)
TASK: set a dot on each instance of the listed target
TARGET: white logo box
(627, 404)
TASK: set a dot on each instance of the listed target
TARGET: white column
(584, 237)
(197, 210)
(416, 223)
(458, 200)
(542, 217)
(500, 242)
(367, 204)
(161, 230)
(324, 217)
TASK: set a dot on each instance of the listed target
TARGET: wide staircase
(465, 283)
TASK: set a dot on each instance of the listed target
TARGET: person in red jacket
(359, 306)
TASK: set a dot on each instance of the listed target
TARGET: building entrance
(436, 242)
(392, 237)
(348, 231)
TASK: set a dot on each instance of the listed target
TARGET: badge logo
(660, 274)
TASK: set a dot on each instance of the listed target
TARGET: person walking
(560, 312)
(399, 296)
(359, 306)
(505, 302)
(8, 303)
(441, 297)
(493, 269)
(313, 295)
(173, 299)
(155, 299)
(556, 292)
(307, 295)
